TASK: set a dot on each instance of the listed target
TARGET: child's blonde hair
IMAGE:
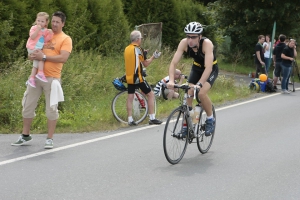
(43, 14)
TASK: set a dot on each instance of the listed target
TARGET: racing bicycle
(174, 143)
(139, 106)
(295, 72)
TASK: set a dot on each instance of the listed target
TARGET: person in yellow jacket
(135, 59)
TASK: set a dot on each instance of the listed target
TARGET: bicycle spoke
(139, 107)
(119, 107)
(174, 145)
(204, 142)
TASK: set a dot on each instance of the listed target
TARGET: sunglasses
(191, 37)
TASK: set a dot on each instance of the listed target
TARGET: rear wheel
(204, 142)
(297, 70)
(174, 145)
(139, 107)
(292, 78)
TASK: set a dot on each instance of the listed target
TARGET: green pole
(272, 42)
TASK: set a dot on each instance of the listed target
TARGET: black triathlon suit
(198, 65)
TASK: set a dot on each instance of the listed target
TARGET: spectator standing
(259, 56)
(267, 49)
(277, 59)
(54, 54)
(288, 55)
(135, 59)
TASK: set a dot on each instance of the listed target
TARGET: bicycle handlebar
(184, 87)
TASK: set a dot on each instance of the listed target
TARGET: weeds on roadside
(88, 90)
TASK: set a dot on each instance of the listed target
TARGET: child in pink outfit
(39, 35)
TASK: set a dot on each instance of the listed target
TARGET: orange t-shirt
(58, 43)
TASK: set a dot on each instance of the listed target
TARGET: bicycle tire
(204, 142)
(293, 76)
(174, 147)
(119, 109)
(297, 70)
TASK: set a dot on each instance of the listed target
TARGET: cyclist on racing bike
(204, 70)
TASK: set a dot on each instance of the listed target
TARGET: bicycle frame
(140, 104)
(186, 112)
(294, 72)
(175, 140)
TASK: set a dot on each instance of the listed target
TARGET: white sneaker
(278, 82)
(49, 144)
(285, 92)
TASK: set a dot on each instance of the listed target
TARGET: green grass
(239, 68)
(88, 91)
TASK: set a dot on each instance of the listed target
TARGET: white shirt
(267, 52)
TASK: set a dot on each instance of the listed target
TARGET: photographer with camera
(170, 93)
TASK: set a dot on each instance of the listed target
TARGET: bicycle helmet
(254, 86)
(193, 28)
(118, 84)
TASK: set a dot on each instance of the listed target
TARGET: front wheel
(174, 145)
(204, 142)
(139, 107)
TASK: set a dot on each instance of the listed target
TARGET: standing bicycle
(295, 72)
(174, 141)
(139, 106)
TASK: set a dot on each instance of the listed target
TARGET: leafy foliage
(243, 21)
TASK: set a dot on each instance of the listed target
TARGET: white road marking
(115, 135)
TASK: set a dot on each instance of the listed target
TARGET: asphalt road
(255, 155)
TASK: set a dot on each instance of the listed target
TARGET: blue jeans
(267, 64)
(286, 73)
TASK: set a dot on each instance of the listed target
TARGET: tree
(153, 11)
(174, 15)
(205, 2)
(112, 27)
(243, 21)
(12, 16)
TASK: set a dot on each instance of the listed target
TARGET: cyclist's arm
(182, 47)
(208, 48)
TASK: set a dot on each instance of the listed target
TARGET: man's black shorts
(196, 74)
(144, 86)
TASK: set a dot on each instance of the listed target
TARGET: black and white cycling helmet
(193, 28)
